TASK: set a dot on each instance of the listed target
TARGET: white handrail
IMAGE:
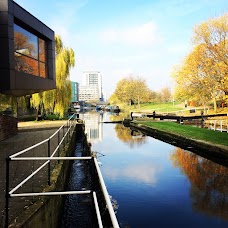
(60, 143)
(107, 198)
(50, 193)
(29, 177)
(97, 210)
(31, 147)
(27, 149)
(13, 157)
(103, 187)
(50, 158)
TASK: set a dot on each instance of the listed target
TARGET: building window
(29, 52)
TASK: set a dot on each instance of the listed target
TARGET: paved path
(29, 134)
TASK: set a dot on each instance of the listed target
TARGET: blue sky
(145, 38)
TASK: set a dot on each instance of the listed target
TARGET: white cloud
(139, 35)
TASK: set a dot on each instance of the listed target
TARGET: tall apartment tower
(91, 88)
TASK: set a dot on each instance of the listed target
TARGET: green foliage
(52, 117)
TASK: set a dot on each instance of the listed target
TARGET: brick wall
(8, 127)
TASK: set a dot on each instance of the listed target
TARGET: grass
(170, 107)
(192, 132)
(160, 107)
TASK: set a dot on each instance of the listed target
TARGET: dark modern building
(27, 52)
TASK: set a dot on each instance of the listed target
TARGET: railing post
(58, 145)
(49, 164)
(63, 136)
(67, 131)
(7, 193)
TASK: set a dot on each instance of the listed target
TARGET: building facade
(88, 93)
(27, 47)
(91, 88)
(75, 92)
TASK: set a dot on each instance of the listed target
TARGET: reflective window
(25, 64)
(42, 51)
(29, 52)
(42, 70)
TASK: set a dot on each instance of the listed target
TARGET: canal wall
(217, 153)
(46, 211)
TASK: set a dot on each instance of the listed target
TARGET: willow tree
(57, 100)
(13, 102)
(204, 72)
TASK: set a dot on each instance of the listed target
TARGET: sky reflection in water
(159, 185)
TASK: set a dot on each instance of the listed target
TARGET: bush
(52, 117)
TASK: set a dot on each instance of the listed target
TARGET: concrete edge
(216, 153)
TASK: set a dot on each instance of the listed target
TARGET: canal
(155, 184)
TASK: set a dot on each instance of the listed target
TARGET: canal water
(155, 184)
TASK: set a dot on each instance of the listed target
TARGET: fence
(218, 125)
(43, 162)
(20, 173)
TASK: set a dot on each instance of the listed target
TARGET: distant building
(88, 93)
(91, 88)
(75, 92)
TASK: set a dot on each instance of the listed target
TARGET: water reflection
(157, 184)
(93, 126)
(209, 183)
(141, 172)
(132, 138)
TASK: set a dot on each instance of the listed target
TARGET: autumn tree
(204, 72)
(195, 78)
(127, 136)
(113, 99)
(165, 94)
(131, 89)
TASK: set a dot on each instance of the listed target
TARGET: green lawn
(214, 137)
(161, 107)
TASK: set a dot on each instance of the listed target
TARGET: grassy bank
(161, 107)
(168, 107)
(187, 131)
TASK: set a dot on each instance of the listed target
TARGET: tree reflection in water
(209, 182)
(132, 138)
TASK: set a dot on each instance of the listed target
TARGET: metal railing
(219, 125)
(70, 125)
(62, 135)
